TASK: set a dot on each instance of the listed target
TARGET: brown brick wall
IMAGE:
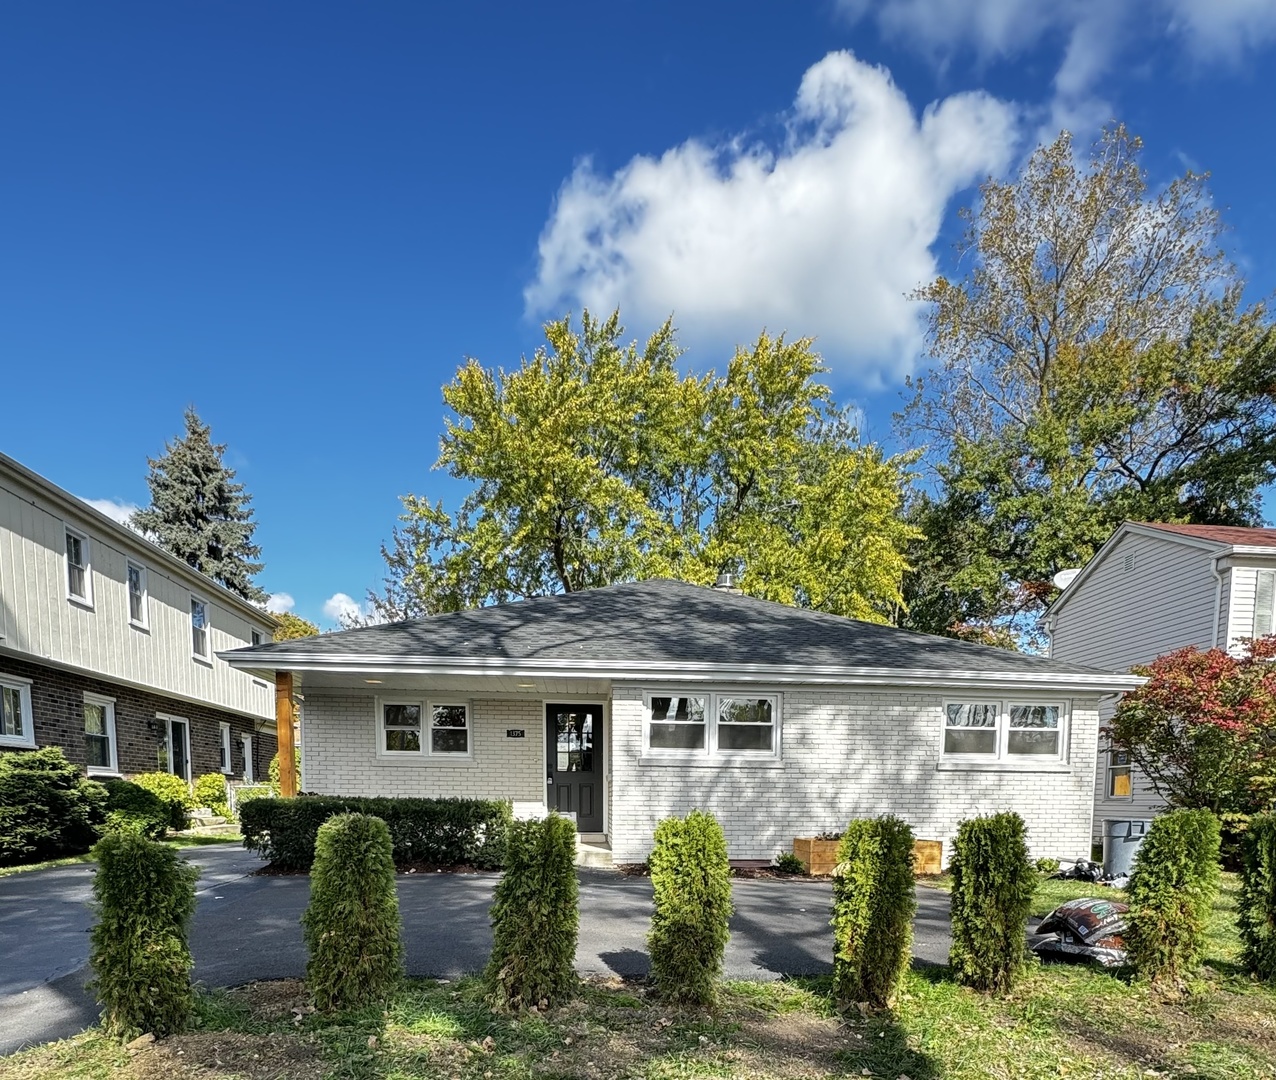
(57, 707)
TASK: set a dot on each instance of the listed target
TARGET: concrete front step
(224, 829)
(593, 850)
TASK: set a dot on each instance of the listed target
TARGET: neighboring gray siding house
(627, 704)
(1149, 590)
(108, 646)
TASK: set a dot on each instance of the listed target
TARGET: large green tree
(200, 513)
(1094, 364)
(597, 461)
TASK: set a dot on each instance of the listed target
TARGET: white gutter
(1218, 597)
(1084, 682)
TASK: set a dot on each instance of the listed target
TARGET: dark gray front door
(574, 737)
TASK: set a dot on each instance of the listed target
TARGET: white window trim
(167, 720)
(26, 741)
(223, 734)
(711, 754)
(144, 623)
(207, 657)
(427, 753)
(1107, 779)
(86, 551)
(1002, 759)
(108, 704)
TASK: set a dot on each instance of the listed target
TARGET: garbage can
(1121, 840)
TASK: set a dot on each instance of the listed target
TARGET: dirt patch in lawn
(273, 999)
(213, 1054)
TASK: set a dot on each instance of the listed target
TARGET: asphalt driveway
(248, 928)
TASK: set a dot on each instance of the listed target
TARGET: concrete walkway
(247, 928)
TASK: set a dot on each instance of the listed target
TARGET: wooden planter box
(820, 856)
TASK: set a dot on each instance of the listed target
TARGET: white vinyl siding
(1119, 618)
(37, 620)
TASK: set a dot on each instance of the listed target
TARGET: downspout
(1218, 599)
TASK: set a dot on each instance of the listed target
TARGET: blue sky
(301, 217)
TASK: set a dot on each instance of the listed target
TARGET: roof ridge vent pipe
(727, 582)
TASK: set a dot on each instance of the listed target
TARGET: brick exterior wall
(57, 707)
(846, 753)
(339, 752)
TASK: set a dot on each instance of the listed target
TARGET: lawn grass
(87, 857)
(1062, 1021)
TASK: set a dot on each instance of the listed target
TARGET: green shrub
(210, 793)
(691, 880)
(272, 771)
(175, 793)
(873, 907)
(131, 808)
(351, 926)
(1047, 867)
(443, 832)
(788, 863)
(1257, 915)
(535, 915)
(993, 884)
(1172, 888)
(139, 954)
(47, 807)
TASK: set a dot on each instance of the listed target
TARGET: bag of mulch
(1088, 929)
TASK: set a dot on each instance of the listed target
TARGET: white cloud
(347, 612)
(1223, 29)
(280, 602)
(115, 510)
(825, 235)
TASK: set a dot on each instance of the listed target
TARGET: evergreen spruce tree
(199, 513)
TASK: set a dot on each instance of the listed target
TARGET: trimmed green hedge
(691, 887)
(1257, 916)
(47, 807)
(131, 808)
(352, 926)
(873, 907)
(445, 832)
(1172, 889)
(138, 949)
(993, 885)
(176, 794)
(209, 792)
(535, 917)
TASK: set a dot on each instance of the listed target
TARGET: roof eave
(685, 671)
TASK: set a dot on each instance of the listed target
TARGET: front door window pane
(575, 742)
(179, 762)
(97, 737)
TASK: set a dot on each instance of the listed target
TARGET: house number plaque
(514, 733)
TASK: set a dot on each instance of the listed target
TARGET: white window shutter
(1264, 594)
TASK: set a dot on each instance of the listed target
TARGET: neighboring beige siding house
(108, 646)
(626, 704)
(1149, 590)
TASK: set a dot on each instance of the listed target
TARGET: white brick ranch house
(627, 704)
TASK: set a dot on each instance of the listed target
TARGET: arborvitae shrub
(210, 793)
(139, 954)
(351, 926)
(1172, 889)
(47, 807)
(131, 808)
(873, 907)
(535, 915)
(993, 884)
(691, 880)
(174, 791)
(1257, 915)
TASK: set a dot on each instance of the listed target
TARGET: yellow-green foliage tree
(293, 626)
(597, 461)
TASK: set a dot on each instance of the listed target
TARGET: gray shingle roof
(661, 621)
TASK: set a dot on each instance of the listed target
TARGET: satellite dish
(1064, 578)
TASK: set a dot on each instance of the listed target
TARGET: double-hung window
(79, 571)
(135, 576)
(100, 752)
(1264, 603)
(709, 724)
(199, 628)
(1005, 731)
(420, 729)
(16, 728)
(223, 732)
(1120, 775)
